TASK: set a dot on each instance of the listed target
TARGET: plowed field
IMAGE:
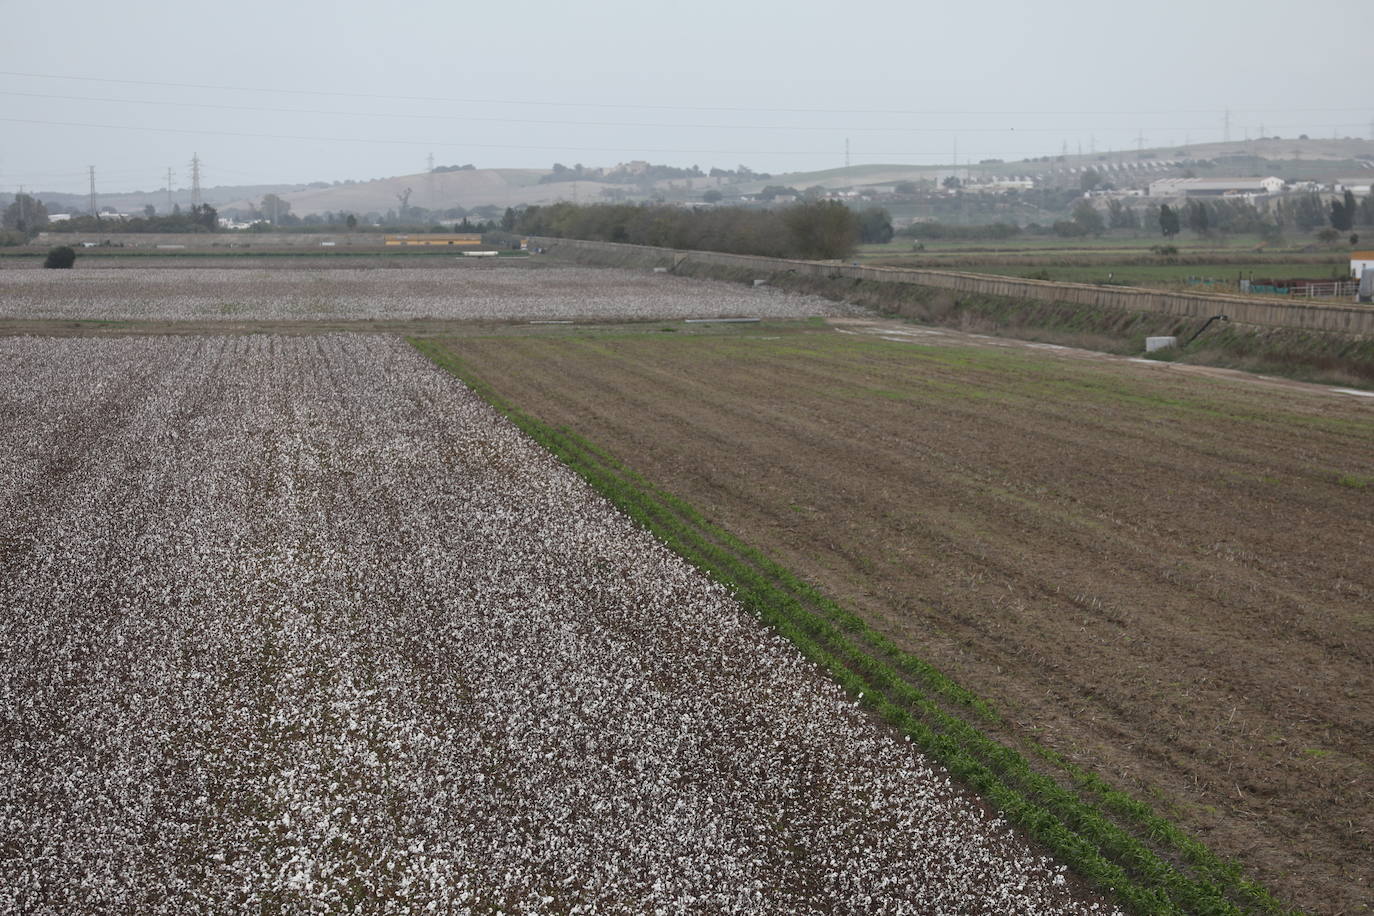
(1163, 576)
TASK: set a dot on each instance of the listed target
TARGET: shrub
(61, 257)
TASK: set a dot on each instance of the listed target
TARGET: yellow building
(468, 239)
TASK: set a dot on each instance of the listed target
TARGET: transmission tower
(1226, 126)
(1140, 142)
(846, 152)
(94, 212)
(195, 180)
(169, 189)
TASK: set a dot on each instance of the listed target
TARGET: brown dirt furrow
(900, 459)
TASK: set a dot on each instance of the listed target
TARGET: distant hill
(1291, 159)
(135, 201)
(470, 189)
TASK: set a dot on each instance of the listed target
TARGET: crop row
(524, 292)
(303, 625)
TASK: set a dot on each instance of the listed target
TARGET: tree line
(809, 230)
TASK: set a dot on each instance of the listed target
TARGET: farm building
(461, 238)
(1214, 187)
(1360, 261)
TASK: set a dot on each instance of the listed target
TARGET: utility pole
(94, 212)
(195, 180)
(169, 189)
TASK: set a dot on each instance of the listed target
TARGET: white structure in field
(1360, 261)
(1215, 187)
(1159, 343)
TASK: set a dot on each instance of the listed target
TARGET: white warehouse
(1215, 187)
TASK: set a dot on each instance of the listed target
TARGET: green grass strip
(889, 681)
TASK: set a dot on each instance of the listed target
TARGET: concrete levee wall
(1352, 319)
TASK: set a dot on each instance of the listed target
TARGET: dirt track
(1162, 574)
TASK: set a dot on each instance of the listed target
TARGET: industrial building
(1215, 187)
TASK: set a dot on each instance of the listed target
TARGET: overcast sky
(305, 90)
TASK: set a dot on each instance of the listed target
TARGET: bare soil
(1159, 571)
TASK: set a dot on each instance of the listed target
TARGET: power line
(565, 122)
(621, 105)
(465, 145)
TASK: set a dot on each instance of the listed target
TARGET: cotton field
(300, 625)
(495, 292)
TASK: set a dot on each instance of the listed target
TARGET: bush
(60, 257)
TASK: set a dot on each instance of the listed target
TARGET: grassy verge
(1117, 843)
(1310, 356)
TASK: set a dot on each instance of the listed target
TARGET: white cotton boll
(595, 727)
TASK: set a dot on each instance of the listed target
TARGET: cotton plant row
(300, 625)
(499, 293)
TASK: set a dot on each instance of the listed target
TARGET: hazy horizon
(278, 94)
